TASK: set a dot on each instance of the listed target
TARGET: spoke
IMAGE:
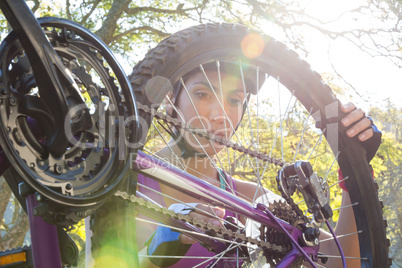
(181, 202)
(318, 142)
(192, 232)
(280, 113)
(182, 119)
(170, 148)
(237, 193)
(219, 257)
(226, 116)
(258, 127)
(319, 265)
(277, 134)
(210, 142)
(340, 236)
(351, 205)
(199, 117)
(223, 107)
(326, 175)
(190, 257)
(316, 152)
(338, 257)
(224, 111)
(302, 135)
(256, 172)
(336, 183)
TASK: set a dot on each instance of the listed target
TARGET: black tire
(173, 57)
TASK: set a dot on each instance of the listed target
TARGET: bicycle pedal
(17, 258)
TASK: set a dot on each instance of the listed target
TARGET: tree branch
(87, 15)
(109, 25)
(138, 29)
(17, 232)
(68, 9)
(5, 194)
(136, 10)
(36, 6)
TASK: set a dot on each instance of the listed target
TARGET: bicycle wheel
(289, 115)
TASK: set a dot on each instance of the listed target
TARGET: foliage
(387, 166)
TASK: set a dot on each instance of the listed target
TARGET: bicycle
(153, 79)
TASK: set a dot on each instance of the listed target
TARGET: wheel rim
(312, 106)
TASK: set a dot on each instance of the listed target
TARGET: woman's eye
(202, 95)
(235, 101)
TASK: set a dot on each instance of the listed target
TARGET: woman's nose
(217, 112)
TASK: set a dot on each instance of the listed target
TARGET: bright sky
(375, 79)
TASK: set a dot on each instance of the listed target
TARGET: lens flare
(252, 45)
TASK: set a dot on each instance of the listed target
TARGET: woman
(216, 102)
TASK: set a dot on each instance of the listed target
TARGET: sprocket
(94, 161)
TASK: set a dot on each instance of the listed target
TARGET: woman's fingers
(361, 124)
(348, 107)
(367, 134)
(352, 117)
(208, 214)
(184, 239)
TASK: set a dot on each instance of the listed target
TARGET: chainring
(83, 175)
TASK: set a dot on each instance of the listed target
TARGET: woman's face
(217, 110)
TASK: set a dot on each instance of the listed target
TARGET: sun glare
(252, 45)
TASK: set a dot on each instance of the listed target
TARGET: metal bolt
(13, 101)
(18, 137)
(35, 212)
(316, 242)
(4, 91)
(69, 186)
(58, 169)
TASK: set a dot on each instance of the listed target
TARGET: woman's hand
(357, 118)
(205, 213)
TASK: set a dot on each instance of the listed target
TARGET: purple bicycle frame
(44, 239)
(171, 176)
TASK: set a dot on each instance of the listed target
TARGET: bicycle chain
(217, 231)
(201, 133)
(290, 201)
